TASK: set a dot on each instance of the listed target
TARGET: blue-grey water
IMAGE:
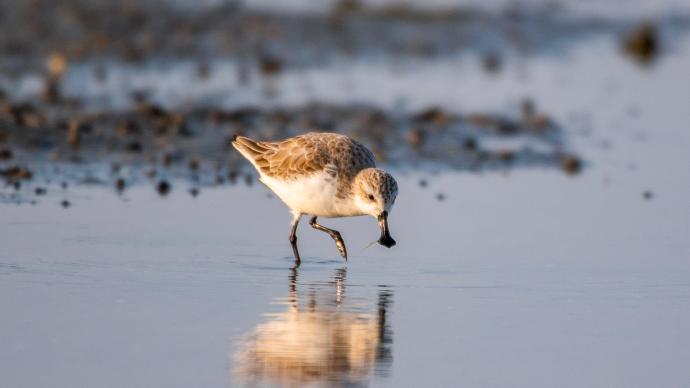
(522, 277)
(532, 279)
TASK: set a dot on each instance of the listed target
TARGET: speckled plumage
(324, 175)
(304, 155)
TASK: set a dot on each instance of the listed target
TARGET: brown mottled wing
(292, 158)
(310, 153)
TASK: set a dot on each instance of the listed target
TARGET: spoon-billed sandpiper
(323, 175)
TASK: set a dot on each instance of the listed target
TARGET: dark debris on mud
(56, 141)
(197, 140)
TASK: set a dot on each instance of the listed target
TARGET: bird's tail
(252, 150)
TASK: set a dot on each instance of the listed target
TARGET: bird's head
(374, 194)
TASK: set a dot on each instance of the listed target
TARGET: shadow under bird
(323, 175)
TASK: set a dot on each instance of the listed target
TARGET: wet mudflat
(542, 222)
(506, 290)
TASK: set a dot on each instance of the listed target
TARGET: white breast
(313, 195)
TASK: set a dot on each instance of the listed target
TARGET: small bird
(323, 175)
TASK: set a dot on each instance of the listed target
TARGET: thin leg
(293, 238)
(335, 235)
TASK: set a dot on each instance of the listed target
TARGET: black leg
(335, 235)
(293, 239)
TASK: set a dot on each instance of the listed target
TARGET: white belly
(315, 195)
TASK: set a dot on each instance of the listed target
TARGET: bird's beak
(386, 240)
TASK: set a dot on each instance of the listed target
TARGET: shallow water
(527, 279)
(510, 277)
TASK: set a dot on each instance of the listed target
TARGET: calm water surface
(515, 278)
(489, 287)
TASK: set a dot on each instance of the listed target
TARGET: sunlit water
(530, 279)
(515, 278)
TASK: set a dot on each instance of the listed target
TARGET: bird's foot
(340, 244)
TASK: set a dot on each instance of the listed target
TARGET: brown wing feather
(306, 154)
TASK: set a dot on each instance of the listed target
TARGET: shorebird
(323, 175)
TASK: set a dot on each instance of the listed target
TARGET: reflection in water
(322, 338)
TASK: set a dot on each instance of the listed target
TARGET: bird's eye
(371, 197)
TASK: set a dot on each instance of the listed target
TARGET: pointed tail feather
(253, 151)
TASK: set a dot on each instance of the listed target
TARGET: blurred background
(543, 217)
(164, 84)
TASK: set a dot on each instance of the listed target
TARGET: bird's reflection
(322, 338)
